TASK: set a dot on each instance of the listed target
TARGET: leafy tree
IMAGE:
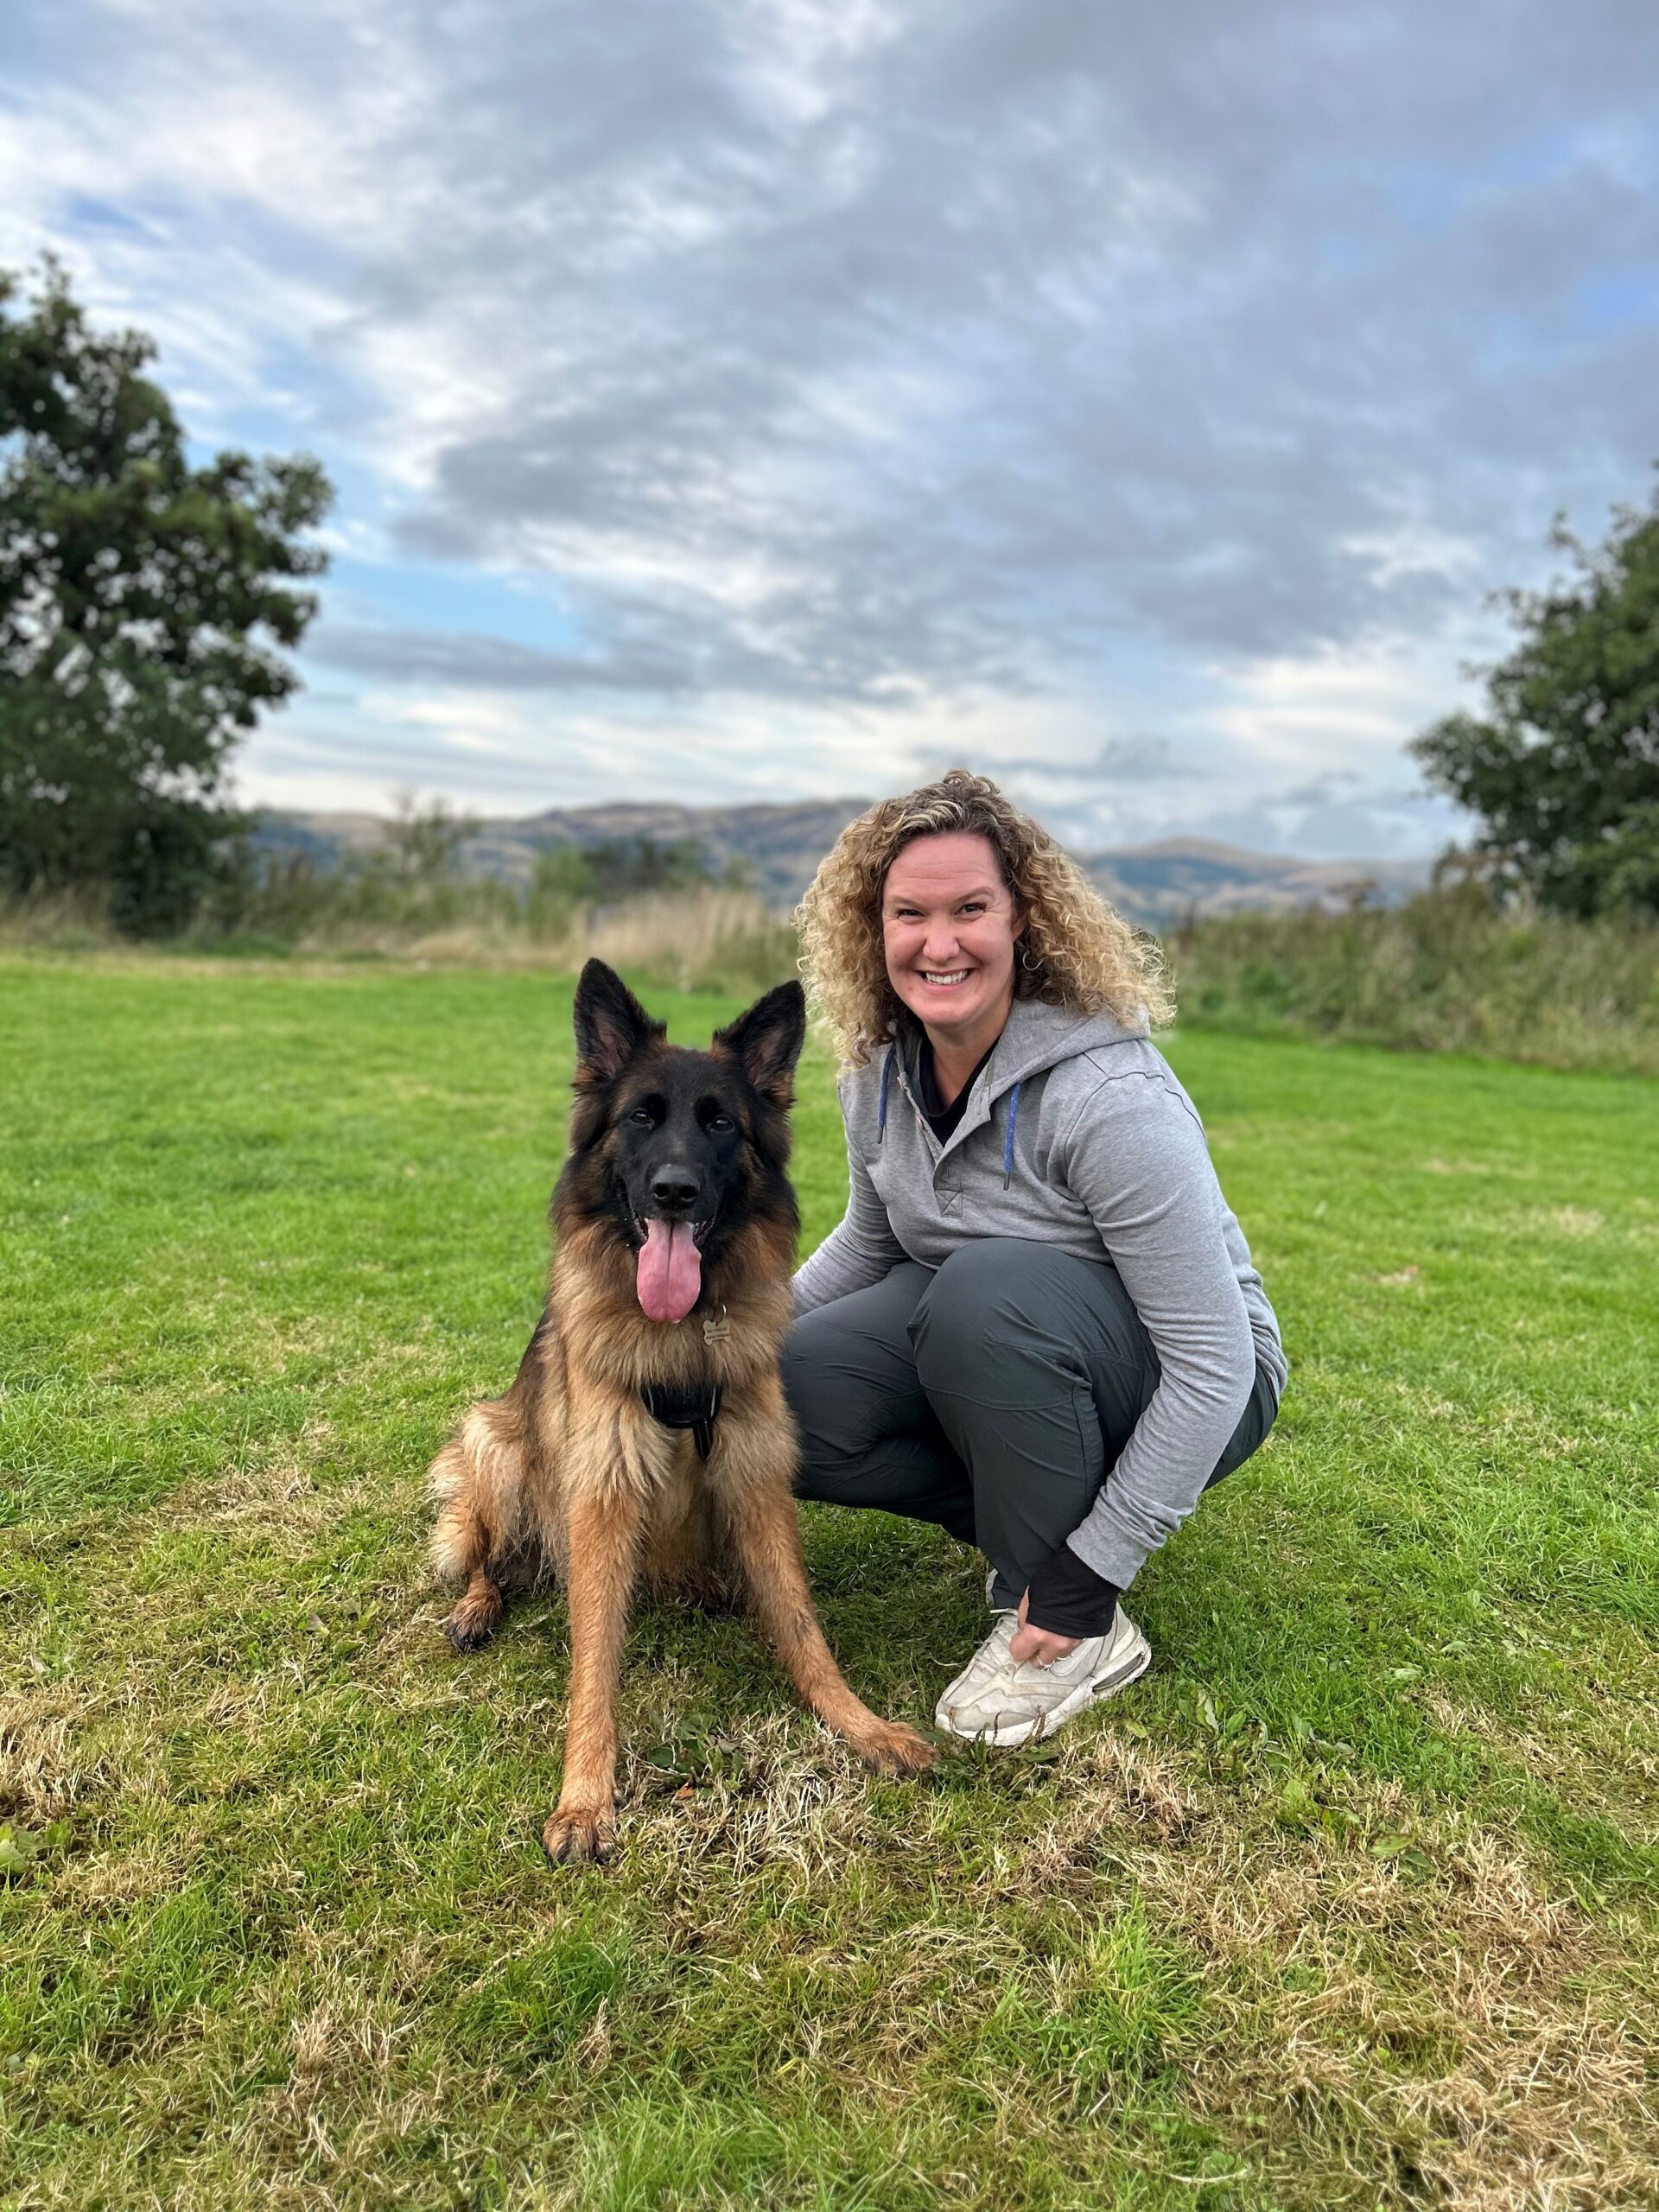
(144, 604)
(424, 843)
(621, 867)
(1563, 768)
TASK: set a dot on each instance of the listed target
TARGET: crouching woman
(1038, 1324)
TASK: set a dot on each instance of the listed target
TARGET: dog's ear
(610, 1024)
(765, 1042)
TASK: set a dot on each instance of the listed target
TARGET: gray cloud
(475, 662)
(1136, 759)
(1121, 760)
(1324, 790)
(901, 355)
(1030, 329)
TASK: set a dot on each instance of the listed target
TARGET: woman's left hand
(1040, 1644)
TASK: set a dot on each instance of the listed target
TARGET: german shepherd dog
(647, 1431)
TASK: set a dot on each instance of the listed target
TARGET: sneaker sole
(1006, 1734)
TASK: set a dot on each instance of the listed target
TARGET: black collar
(695, 1407)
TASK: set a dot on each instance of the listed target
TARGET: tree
(1563, 768)
(422, 843)
(143, 607)
(623, 867)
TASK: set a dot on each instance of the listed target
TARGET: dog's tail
(479, 1484)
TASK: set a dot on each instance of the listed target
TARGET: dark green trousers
(992, 1395)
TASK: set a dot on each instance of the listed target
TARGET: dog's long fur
(569, 1472)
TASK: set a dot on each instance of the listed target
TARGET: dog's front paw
(891, 1748)
(575, 1833)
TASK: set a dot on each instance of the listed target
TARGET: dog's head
(680, 1150)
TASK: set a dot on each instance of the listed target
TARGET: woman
(1038, 1324)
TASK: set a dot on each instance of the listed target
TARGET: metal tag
(716, 1327)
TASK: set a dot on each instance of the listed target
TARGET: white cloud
(1352, 708)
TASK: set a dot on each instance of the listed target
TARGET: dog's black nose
(674, 1186)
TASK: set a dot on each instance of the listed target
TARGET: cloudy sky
(762, 400)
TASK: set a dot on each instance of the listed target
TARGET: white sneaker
(997, 1699)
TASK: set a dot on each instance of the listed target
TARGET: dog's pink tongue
(671, 1270)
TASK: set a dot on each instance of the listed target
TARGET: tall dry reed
(1444, 973)
(706, 938)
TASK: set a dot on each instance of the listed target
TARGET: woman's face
(949, 926)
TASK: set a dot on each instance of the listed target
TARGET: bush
(1449, 971)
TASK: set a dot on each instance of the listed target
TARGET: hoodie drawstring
(1007, 1141)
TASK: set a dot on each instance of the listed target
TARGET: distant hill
(1161, 883)
(780, 846)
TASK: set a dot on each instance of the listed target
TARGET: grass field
(1351, 1902)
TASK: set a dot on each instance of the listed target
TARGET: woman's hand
(1040, 1644)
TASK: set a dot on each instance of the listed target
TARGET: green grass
(1351, 1902)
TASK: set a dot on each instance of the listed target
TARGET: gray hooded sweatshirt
(1078, 1135)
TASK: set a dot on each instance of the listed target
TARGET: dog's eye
(642, 1117)
(721, 1123)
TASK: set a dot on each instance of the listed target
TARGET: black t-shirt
(942, 1119)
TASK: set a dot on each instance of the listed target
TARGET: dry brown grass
(1501, 2039)
(714, 938)
(1493, 2033)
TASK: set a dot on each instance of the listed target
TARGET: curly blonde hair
(1075, 950)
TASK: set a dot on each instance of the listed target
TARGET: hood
(1036, 1036)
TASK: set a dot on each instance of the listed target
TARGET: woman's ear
(1024, 961)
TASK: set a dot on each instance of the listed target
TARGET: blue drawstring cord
(1007, 1141)
(881, 1108)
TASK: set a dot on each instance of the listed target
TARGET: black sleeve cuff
(1067, 1597)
